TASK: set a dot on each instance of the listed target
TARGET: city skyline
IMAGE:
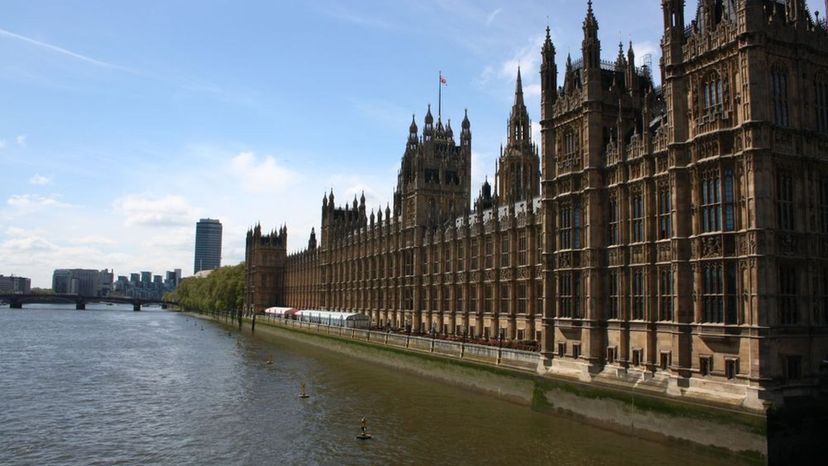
(179, 146)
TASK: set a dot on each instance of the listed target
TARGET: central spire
(519, 90)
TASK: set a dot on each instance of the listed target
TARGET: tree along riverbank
(222, 289)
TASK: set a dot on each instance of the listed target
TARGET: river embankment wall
(511, 375)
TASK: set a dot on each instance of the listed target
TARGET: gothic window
(570, 149)
(821, 102)
(637, 211)
(432, 175)
(614, 296)
(522, 248)
(473, 299)
(788, 312)
(569, 229)
(785, 198)
(435, 256)
(458, 299)
(569, 285)
(664, 208)
(504, 299)
(613, 221)
(409, 262)
(432, 298)
(489, 298)
(638, 295)
(522, 298)
(446, 299)
(779, 95)
(489, 252)
(711, 201)
(712, 293)
(447, 254)
(665, 292)
(504, 252)
(461, 256)
(712, 95)
(564, 227)
(474, 253)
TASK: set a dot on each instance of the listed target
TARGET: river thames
(112, 386)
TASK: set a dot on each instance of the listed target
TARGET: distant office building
(207, 245)
(146, 285)
(121, 284)
(134, 279)
(15, 285)
(146, 279)
(105, 285)
(83, 282)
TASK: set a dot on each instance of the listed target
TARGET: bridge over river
(16, 301)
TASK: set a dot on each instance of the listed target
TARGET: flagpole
(440, 95)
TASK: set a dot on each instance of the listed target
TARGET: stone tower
(265, 257)
(518, 177)
(434, 182)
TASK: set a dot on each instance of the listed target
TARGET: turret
(673, 11)
(549, 77)
(428, 129)
(591, 45)
(465, 133)
(312, 240)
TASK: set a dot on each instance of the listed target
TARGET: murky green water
(109, 385)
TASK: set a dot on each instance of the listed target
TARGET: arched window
(821, 102)
(712, 94)
(779, 95)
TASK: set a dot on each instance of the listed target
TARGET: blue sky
(122, 123)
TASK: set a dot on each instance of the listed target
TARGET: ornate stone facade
(678, 238)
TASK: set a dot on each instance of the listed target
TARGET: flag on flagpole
(443, 80)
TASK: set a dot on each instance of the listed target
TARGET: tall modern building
(207, 245)
(677, 243)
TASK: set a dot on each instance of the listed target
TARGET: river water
(112, 386)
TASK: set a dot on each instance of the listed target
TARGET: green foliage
(222, 290)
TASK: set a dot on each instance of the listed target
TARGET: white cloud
(261, 175)
(33, 201)
(21, 140)
(40, 180)
(492, 16)
(155, 211)
(93, 240)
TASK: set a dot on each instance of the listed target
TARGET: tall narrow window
(613, 221)
(664, 207)
(712, 294)
(785, 200)
(446, 298)
(731, 309)
(447, 255)
(637, 208)
(565, 227)
(779, 95)
(473, 300)
(665, 291)
(539, 297)
(489, 298)
(461, 258)
(474, 251)
(821, 102)
(576, 225)
(638, 295)
(505, 255)
(522, 248)
(489, 252)
(568, 285)
(435, 264)
(729, 216)
(614, 298)
(712, 94)
(522, 298)
(788, 312)
(504, 299)
(711, 202)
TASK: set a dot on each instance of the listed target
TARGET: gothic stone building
(674, 237)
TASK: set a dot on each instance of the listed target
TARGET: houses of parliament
(670, 236)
